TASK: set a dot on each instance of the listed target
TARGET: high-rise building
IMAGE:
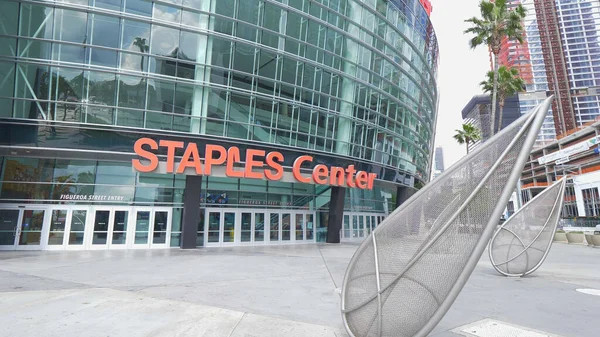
(478, 110)
(438, 162)
(560, 56)
(156, 124)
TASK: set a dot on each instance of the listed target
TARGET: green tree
(509, 83)
(497, 23)
(467, 135)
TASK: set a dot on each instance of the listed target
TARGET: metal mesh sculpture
(405, 276)
(521, 244)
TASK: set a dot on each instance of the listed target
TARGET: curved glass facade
(351, 83)
(346, 77)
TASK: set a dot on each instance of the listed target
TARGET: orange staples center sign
(258, 165)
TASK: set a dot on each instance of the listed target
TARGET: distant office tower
(477, 112)
(560, 56)
(439, 162)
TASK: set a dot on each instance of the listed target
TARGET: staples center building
(191, 123)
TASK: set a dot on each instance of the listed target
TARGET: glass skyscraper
(348, 82)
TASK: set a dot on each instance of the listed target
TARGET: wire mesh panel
(521, 244)
(403, 278)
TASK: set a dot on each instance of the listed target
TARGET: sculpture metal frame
(556, 207)
(530, 126)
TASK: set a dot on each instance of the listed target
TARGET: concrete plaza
(263, 291)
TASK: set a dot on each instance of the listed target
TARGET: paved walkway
(262, 291)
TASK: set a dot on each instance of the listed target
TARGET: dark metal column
(336, 214)
(403, 193)
(191, 211)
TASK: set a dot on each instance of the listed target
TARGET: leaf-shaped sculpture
(521, 244)
(405, 276)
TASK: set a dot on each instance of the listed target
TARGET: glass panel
(8, 226)
(361, 226)
(259, 227)
(285, 226)
(160, 227)
(200, 235)
(139, 7)
(76, 233)
(214, 226)
(229, 227)
(142, 226)
(120, 227)
(299, 227)
(31, 227)
(114, 174)
(355, 226)
(309, 227)
(74, 171)
(347, 230)
(368, 227)
(100, 227)
(58, 223)
(274, 227)
(373, 223)
(246, 227)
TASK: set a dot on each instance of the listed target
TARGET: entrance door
(259, 228)
(286, 221)
(76, 225)
(151, 227)
(347, 230)
(299, 227)
(22, 228)
(274, 227)
(109, 227)
(9, 224)
(246, 232)
(67, 226)
(310, 228)
(222, 227)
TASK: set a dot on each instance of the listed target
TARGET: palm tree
(497, 23)
(467, 135)
(509, 83)
(144, 48)
(141, 44)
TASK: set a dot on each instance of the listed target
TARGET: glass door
(118, 228)
(29, 231)
(259, 227)
(222, 227)
(299, 226)
(76, 226)
(229, 228)
(246, 227)
(160, 228)
(347, 231)
(274, 227)
(9, 223)
(285, 226)
(141, 228)
(310, 227)
(58, 228)
(213, 229)
(67, 225)
(102, 218)
(355, 229)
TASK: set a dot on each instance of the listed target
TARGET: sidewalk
(261, 291)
